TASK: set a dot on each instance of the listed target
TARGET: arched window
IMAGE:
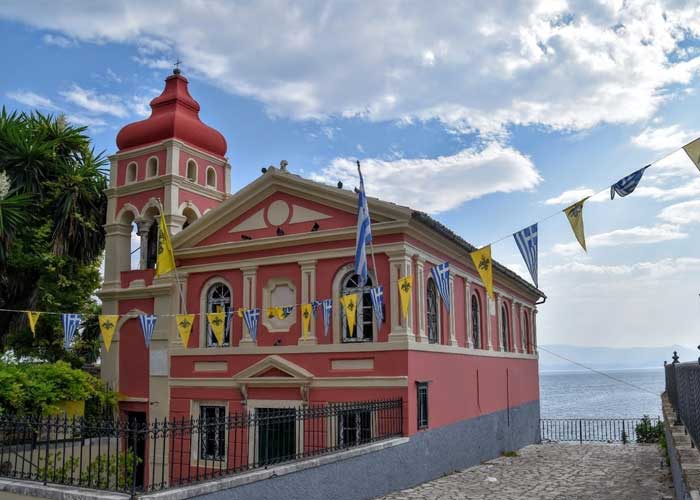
(504, 328)
(131, 172)
(211, 177)
(190, 217)
(526, 333)
(192, 170)
(152, 167)
(476, 322)
(219, 299)
(364, 327)
(152, 245)
(433, 311)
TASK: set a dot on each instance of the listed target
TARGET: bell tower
(171, 157)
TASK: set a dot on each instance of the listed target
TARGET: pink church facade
(282, 240)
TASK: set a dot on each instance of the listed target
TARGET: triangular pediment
(273, 367)
(280, 204)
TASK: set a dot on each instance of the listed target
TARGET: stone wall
(422, 457)
(684, 458)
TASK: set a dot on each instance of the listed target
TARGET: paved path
(557, 472)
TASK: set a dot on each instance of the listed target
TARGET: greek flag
(526, 239)
(626, 185)
(148, 324)
(315, 304)
(364, 233)
(70, 326)
(377, 294)
(327, 309)
(229, 322)
(251, 317)
(287, 310)
(441, 275)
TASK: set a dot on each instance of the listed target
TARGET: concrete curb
(56, 492)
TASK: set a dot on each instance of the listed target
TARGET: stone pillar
(117, 253)
(419, 285)
(172, 159)
(401, 329)
(249, 293)
(143, 228)
(453, 335)
(308, 295)
(468, 313)
(165, 304)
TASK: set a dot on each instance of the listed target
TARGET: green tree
(51, 234)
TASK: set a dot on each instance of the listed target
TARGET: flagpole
(183, 303)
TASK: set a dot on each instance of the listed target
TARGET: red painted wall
(133, 355)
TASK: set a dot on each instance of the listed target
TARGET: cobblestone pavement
(557, 472)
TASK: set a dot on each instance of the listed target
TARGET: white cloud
(564, 65)
(638, 235)
(687, 212)
(31, 99)
(664, 138)
(442, 183)
(95, 103)
(58, 40)
(89, 121)
(570, 196)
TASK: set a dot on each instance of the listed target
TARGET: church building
(467, 368)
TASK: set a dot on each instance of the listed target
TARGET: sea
(629, 393)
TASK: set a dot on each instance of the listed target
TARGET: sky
(490, 117)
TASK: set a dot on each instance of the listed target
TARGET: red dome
(174, 114)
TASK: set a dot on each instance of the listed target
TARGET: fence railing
(683, 390)
(134, 457)
(591, 430)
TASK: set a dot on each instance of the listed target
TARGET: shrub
(34, 389)
(648, 432)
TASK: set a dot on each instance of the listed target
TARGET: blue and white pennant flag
(327, 310)
(628, 184)
(441, 275)
(377, 294)
(70, 326)
(526, 239)
(251, 317)
(148, 324)
(364, 233)
(315, 304)
(287, 310)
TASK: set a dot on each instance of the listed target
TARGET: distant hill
(611, 358)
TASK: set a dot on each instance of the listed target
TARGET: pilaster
(534, 330)
(499, 321)
(513, 329)
(490, 309)
(249, 292)
(468, 313)
(419, 285)
(453, 334)
(143, 227)
(308, 295)
(401, 329)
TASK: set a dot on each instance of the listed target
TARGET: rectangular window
(354, 427)
(277, 438)
(422, 397)
(212, 444)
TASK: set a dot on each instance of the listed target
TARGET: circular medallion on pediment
(277, 213)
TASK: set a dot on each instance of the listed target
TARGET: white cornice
(161, 182)
(159, 146)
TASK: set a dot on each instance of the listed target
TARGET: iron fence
(683, 390)
(135, 457)
(592, 430)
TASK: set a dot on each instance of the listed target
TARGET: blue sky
(489, 119)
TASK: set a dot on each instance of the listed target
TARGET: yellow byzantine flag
(240, 311)
(33, 317)
(275, 312)
(349, 303)
(305, 320)
(217, 321)
(184, 327)
(575, 215)
(692, 149)
(166, 258)
(108, 325)
(405, 287)
(484, 265)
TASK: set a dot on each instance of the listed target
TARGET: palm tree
(52, 214)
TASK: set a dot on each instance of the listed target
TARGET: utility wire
(597, 371)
